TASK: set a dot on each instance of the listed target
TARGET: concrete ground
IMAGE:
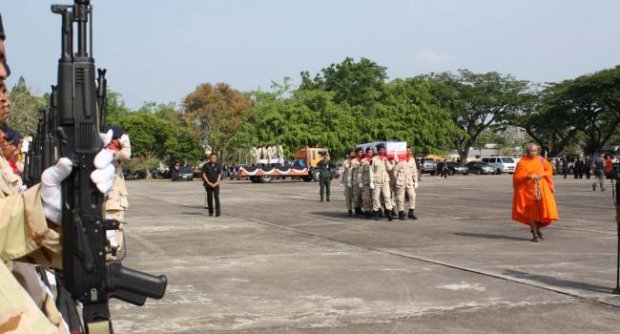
(279, 261)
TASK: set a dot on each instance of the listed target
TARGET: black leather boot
(358, 212)
(376, 214)
(389, 215)
(401, 215)
(412, 214)
(350, 213)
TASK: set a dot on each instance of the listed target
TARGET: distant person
(576, 167)
(444, 169)
(599, 173)
(326, 174)
(564, 167)
(608, 167)
(212, 177)
(533, 202)
(587, 167)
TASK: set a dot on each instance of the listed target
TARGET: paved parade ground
(279, 261)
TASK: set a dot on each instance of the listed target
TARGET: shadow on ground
(490, 236)
(556, 282)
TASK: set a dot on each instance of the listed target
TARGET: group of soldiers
(377, 186)
(272, 154)
(30, 218)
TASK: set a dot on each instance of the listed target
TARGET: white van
(502, 164)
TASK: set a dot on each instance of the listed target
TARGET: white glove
(124, 140)
(415, 184)
(50, 189)
(52, 177)
(106, 138)
(372, 185)
(360, 185)
(103, 176)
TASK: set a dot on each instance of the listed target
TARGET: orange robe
(525, 205)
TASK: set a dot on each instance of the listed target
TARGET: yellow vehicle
(311, 157)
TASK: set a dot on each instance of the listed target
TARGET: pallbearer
(406, 174)
(354, 180)
(381, 166)
(365, 179)
(345, 181)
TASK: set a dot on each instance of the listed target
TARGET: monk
(533, 203)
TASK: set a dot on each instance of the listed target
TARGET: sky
(160, 51)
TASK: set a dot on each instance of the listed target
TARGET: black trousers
(325, 185)
(211, 193)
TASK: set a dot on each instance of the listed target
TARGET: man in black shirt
(212, 176)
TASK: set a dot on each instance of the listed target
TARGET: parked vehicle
(455, 168)
(183, 174)
(479, 167)
(137, 175)
(428, 165)
(502, 164)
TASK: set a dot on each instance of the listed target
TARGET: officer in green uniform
(325, 167)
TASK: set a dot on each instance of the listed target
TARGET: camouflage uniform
(354, 182)
(364, 177)
(345, 180)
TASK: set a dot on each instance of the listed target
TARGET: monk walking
(533, 203)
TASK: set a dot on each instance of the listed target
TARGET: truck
(264, 170)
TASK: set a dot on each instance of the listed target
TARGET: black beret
(117, 132)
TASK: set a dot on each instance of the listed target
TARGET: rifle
(102, 86)
(86, 274)
(33, 173)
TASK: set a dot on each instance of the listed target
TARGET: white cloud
(431, 57)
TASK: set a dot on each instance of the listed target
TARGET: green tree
(478, 102)
(115, 108)
(148, 135)
(25, 108)
(356, 83)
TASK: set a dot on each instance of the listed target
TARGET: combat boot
(401, 215)
(380, 213)
(376, 214)
(412, 214)
(389, 215)
(358, 212)
(368, 214)
(350, 213)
